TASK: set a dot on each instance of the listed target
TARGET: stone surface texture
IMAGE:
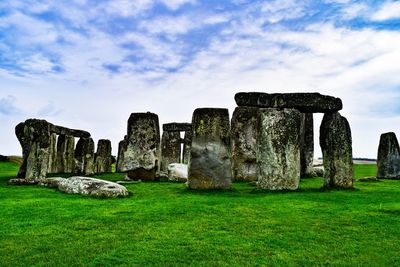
(87, 186)
(177, 127)
(170, 149)
(305, 102)
(336, 145)
(65, 154)
(103, 157)
(141, 149)
(388, 161)
(52, 164)
(278, 154)
(84, 156)
(307, 145)
(244, 143)
(210, 160)
(187, 143)
(177, 172)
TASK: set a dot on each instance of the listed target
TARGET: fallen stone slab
(86, 186)
(305, 102)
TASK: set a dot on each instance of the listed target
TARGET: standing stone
(52, 164)
(65, 153)
(34, 137)
(244, 143)
(141, 149)
(187, 142)
(278, 154)
(336, 145)
(388, 157)
(170, 149)
(103, 157)
(121, 150)
(84, 156)
(307, 145)
(210, 157)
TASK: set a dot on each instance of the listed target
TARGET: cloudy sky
(88, 64)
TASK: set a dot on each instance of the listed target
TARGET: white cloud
(352, 11)
(389, 10)
(176, 4)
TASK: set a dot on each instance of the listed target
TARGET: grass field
(164, 224)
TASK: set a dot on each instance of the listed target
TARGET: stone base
(141, 174)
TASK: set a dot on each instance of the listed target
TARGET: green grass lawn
(164, 224)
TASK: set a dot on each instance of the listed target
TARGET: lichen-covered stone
(170, 149)
(103, 156)
(34, 137)
(278, 154)
(122, 145)
(87, 186)
(65, 154)
(210, 159)
(37, 138)
(388, 157)
(187, 142)
(84, 156)
(177, 127)
(141, 151)
(52, 164)
(305, 102)
(307, 145)
(336, 145)
(244, 143)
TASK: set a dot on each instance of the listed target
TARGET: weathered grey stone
(388, 157)
(141, 149)
(177, 127)
(307, 145)
(244, 143)
(305, 102)
(65, 154)
(52, 164)
(336, 145)
(84, 156)
(34, 137)
(278, 154)
(87, 186)
(210, 159)
(37, 138)
(103, 156)
(177, 172)
(170, 149)
(187, 142)
(122, 145)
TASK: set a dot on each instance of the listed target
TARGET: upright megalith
(336, 145)
(34, 137)
(121, 150)
(65, 154)
(187, 143)
(244, 143)
(307, 145)
(210, 157)
(278, 154)
(84, 156)
(388, 157)
(52, 163)
(140, 152)
(103, 156)
(40, 152)
(170, 149)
